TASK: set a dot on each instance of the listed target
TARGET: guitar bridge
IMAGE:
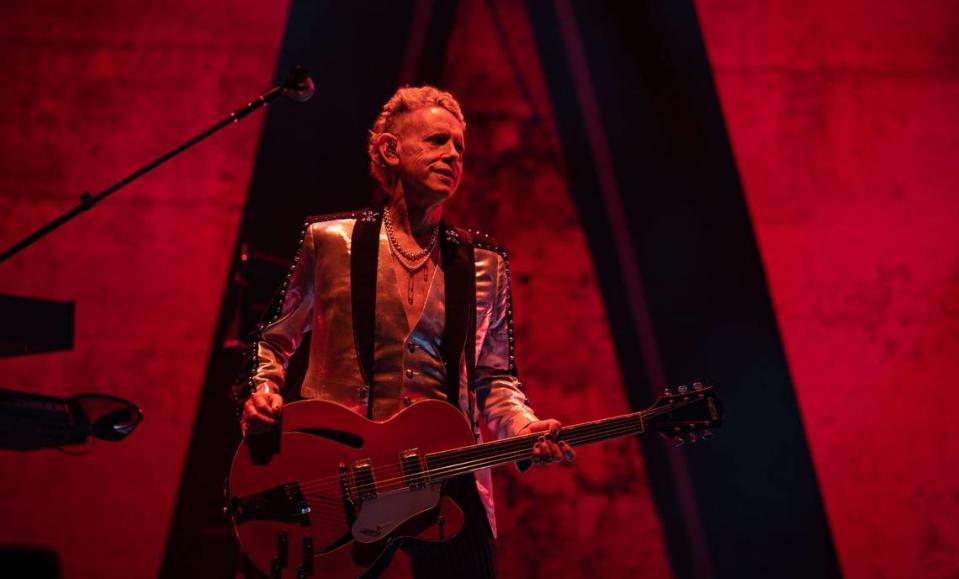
(348, 505)
(281, 503)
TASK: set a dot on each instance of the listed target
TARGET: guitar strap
(459, 334)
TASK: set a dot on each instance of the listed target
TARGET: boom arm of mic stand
(87, 200)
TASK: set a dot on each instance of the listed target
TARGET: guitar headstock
(686, 413)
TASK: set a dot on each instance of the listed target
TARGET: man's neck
(416, 221)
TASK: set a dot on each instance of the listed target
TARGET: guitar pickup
(363, 479)
(412, 465)
(281, 503)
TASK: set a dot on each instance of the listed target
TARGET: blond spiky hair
(405, 100)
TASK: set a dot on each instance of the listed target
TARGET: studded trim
(485, 241)
(453, 237)
(245, 386)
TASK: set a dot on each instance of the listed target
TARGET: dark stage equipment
(33, 421)
(34, 325)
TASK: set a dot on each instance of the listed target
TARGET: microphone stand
(298, 86)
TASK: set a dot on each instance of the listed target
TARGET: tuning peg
(683, 389)
(707, 434)
(667, 392)
(678, 441)
(697, 385)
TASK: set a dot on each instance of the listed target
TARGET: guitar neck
(460, 461)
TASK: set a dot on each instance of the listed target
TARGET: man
(403, 307)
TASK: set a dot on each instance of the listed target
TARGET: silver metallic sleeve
(286, 320)
(499, 392)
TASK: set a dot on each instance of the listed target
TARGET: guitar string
(436, 475)
(445, 471)
(516, 446)
(448, 471)
(387, 485)
(523, 450)
(433, 477)
(521, 444)
(330, 508)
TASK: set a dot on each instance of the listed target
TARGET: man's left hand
(548, 447)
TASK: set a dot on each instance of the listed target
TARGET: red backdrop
(147, 270)
(843, 121)
(842, 118)
(92, 90)
(556, 521)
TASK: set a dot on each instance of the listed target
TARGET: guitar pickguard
(381, 515)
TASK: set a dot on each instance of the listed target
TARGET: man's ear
(386, 145)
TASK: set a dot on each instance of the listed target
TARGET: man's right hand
(260, 412)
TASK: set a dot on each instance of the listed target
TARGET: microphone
(299, 86)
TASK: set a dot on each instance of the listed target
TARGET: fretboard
(459, 461)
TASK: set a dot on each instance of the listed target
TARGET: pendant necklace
(411, 262)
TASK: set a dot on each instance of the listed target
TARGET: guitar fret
(451, 463)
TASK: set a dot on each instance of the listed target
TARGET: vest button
(409, 373)
(364, 391)
(411, 346)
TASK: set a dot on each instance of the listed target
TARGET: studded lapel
(363, 253)
(459, 267)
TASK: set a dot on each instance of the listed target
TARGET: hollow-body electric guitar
(330, 492)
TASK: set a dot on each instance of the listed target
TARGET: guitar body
(327, 494)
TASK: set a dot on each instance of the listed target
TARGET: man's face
(430, 147)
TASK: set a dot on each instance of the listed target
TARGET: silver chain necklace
(403, 255)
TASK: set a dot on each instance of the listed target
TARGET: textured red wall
(92, 90)
(594, 518)
(843, 117)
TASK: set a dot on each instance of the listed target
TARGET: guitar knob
(707, 434)
(308, 555)
(697, 385)
(667, 392)
(692, 437)
(282, 547)
(678, 441)
(683, 389)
